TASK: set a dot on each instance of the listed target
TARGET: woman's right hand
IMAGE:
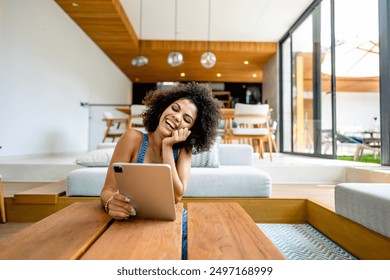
(119, 207)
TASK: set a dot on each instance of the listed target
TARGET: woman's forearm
(178, 184)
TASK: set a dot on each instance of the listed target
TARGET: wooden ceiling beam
(102, 20)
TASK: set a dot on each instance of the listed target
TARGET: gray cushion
(206, 159)
(365, 203)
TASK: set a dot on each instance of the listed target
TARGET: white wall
(47, 67)
(355, 111)
(271, 89)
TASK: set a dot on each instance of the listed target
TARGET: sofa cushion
(86, 181)
(206, 159)
(97, 158)
(365, 203)
(229, 181)
(235, 154)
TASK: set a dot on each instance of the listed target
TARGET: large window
(329, 76)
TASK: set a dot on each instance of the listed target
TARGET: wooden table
(224, 231)
(83, 230)
(127, 111)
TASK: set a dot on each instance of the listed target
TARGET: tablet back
(149, 187)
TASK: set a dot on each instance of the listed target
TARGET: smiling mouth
(171, 125)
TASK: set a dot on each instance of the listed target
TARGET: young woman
(179, 121)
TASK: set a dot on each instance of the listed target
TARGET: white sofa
(233, 174)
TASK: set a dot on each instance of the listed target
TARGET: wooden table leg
(2, 203)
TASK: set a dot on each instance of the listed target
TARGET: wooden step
(45, 194)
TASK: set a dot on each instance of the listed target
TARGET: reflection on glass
(302, 41)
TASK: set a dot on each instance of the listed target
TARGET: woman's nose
(177, 117)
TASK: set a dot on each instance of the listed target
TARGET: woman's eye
(187, 119)
(175, 108)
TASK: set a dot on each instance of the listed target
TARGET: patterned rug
(303, 242)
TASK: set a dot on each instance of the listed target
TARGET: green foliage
(363, 158)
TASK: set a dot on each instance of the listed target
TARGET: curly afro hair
(204, 130)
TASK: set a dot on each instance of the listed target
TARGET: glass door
(308, 96)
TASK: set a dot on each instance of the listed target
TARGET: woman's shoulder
(128, 145)
(133, 134)
(131, 138)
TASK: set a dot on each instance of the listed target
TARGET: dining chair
(224, 97)
(252, 123)
(135, 118)
(115, 126)
(273, 129)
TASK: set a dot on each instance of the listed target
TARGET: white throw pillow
(97, 158)
(206, 159)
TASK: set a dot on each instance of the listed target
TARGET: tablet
(149, 187)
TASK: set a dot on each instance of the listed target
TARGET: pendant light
(175, 58)
(208, 59)
(139, 60)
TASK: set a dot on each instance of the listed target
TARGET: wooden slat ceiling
(106, 23)
(343, 84)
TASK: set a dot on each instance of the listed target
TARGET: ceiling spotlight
(246, 62)
(183, 74)
(139, 61)
(175, 59)
(254, 75)
(219, 75)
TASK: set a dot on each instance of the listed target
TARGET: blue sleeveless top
(142, 150)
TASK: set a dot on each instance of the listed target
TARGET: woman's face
(180, 114)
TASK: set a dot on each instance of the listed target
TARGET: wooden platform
(45, 194)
